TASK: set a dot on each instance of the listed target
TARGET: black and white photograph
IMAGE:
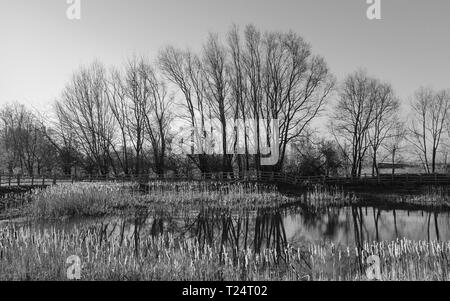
(207, 142)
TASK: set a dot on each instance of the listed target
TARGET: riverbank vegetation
(26, 254)
(100, 199)
(200, 231)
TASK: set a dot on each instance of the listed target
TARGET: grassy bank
(32, 252)
(32, 255)
(94, 199)
(98, 199)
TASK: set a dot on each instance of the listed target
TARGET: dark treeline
(136, 118)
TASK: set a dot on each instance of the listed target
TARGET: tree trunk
(393, 161)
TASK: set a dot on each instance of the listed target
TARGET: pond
(271, 227)
(351, 225)
(266, 237)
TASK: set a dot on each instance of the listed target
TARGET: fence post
(43, 180)
(9, 180)
(32, 180)
(54, 179)
(18, 180)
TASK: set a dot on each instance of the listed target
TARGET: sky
(40, 47)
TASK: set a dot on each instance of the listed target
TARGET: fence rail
(263, 176)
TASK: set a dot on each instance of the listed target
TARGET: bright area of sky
(40, 47)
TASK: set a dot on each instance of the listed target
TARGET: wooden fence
(267, 177)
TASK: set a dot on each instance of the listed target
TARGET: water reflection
(237, 231)
(355, 225)
(271, 228)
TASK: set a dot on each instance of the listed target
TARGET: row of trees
(23, 143)
(364, 118)
(132, 119)
(255, 76)
(366, 123)
(118, 120)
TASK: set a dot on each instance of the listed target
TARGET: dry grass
(26, 254)
(97, 199)
(81, 199)
(400, 260)
(29, 253)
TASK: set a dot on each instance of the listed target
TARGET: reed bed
(400, 260)
(81, 199)
(327, 196)
(13, 200)
(29, 254)
(97, 199)
(438, 197)
(12, 204)
(208, 186)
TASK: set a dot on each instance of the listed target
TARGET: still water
(271, 227)
(348, 225)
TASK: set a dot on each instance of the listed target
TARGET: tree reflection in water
(236, 232)
(258, 230)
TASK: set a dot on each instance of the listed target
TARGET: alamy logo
(74, 269)
(73, 12)
(242, 137)
(373, 271)
(374, 10)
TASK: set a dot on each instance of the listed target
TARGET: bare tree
(115, 93)
(138, 74)
(353, 117)
(84, 111)
(253, 71)
(239, 95)
(385, 119)
(140, 104)
(275, 77)
(62, 140)
(395, 142)
(185, 70)
(24, 143)
(158, 118)
(215, 65)
(430, 114)
(296, 86)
